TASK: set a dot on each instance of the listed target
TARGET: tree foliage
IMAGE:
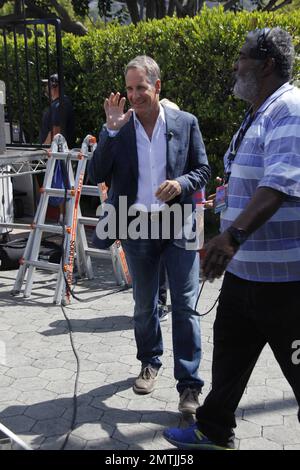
(81, 7)
(19, 9)
(195, 55)
(139, 10)
(149, 9)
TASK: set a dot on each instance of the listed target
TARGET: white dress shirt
(152, 162)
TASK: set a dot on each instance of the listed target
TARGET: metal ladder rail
(73, 241)
(74, 227)
(58, 150)
(42, 203)
(115, 252)
(58, 144)
(118, 258)
(85, 252)
(30, 260)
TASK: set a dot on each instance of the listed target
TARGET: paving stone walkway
(38, 369)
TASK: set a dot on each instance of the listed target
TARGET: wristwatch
(238, 235)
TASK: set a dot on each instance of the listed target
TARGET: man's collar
(161, 117)
(282, 89)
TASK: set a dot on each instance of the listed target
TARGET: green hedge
(195, 55)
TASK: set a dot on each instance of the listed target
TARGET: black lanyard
(236, 143)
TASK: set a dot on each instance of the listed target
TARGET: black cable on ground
(76, 380)
(208, 311)
(77, 369)
(70, 291)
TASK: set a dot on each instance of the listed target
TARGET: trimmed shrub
(196, 56)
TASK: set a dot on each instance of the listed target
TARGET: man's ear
(269, 66)
(158, 86)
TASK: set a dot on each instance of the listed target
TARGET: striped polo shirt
(268, 156)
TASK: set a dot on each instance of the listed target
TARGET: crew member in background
(57, 119)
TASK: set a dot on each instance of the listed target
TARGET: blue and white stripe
(269, 156)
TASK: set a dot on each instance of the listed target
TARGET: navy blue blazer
(115, 161)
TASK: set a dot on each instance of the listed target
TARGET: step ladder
(29, 262)
(75, 244)
(117, 254)
(85, 252)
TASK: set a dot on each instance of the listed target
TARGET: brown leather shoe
(189, 401)
(145, 382)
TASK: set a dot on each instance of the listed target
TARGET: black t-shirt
(54, 118)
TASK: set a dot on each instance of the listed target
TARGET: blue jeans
(143, 257)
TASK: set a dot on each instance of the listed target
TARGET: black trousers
(249, 315)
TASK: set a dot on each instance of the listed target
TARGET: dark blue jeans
(163, 285)
(143, 257)
(250, 314)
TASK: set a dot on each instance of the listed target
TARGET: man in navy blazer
(154, 159)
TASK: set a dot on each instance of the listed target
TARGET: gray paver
(110, 402)
(23, 371)
(36, 396)
(85, 365)
(263, 418)
(121, 417)
(15, 359)
(49, 363)
(246, 429)
(30, 383)
(56, 442)
(105, 390)
(5, 380)
(105, 444)
(156, 420)
(52, 443)
(61, 386)
(133, 434)
(92, 431)
(7, 336)
(104, 357)
(18, 423)
(6, 409)
(32, 439)
(92, 377)
(60, 373)
(166, 394)
(37, 379)
(85, 414)
(8, 392)
(147, 404)
(258, 443)
(282, 434)
(115, 367)
(44, 411)
(51, 427)
(292, 447)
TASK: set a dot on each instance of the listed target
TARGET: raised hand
(114, 110)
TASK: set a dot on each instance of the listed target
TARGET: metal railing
(31, 51)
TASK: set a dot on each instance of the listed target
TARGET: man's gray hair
(277, 43)
(147, 64)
